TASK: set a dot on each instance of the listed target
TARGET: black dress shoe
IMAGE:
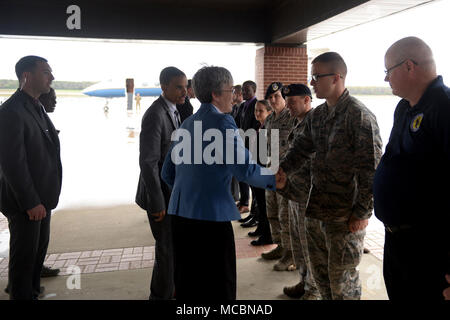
(49, 272)
(40, 294)
(261, 241)
(250, 223)
(246, 218)
(35, 294)
(255, 233)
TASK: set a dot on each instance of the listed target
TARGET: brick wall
(285, 64)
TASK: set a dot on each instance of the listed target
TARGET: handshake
(280, 178)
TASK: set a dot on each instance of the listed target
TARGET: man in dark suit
(247, 113)
(247, 120)
(158, 123)
(238, 99)
(237, 102)
(48, 101)
(30, 175)
(186, 109)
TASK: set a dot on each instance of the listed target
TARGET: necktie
(177, 120)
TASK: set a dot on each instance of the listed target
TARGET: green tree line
(70, 85)
(382, 91)
(57, 85)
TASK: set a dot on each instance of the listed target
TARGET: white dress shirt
(174, 111)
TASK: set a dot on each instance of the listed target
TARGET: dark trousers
(245, 193)
(205, 260)
(263, 222)
(255, 204)
(414, 264)
(162, 285)
(27, 249)
(235, 189)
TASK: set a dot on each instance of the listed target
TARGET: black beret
(273, 87)
(296, 89)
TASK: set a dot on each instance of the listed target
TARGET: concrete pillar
(280, 63)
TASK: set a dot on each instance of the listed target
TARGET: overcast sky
(362, 47)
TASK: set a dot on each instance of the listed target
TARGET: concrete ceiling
(290, 22)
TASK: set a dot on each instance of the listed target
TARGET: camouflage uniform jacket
(347, 146)
(299, 181)
(284, 123)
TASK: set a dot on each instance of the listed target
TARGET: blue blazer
(202, 190)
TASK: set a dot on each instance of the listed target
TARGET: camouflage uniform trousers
(297, 229)
(334, 253)
(278, 216)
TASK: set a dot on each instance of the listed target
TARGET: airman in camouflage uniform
(277, 205)
(298, 98)
(342, 139)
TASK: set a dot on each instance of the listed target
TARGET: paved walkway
(105, 260)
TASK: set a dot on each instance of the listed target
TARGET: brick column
(277, 63)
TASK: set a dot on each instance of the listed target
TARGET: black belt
(394, 229)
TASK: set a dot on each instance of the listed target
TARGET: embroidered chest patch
(415, 123)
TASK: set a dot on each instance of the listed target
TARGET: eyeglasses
(229, 90)
(398, 65)
(316, 77)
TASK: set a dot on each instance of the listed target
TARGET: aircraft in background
(115, 89)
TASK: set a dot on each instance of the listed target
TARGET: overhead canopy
(257, 21)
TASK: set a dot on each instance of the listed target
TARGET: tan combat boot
(274, 254)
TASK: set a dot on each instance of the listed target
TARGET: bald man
(408, 185)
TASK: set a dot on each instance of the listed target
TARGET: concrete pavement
(113, 247)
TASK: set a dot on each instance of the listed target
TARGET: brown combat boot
(286, 263)
(273, 254)
(295, 291)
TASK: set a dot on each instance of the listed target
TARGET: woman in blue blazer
(206, 153)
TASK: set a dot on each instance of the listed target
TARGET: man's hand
(355, 224)
(37, 213)
(280, 179)
(159, 215)
(446, 292)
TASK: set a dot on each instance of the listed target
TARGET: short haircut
(334, 60)
(238, 89)
(265, 103)
(27, 64)
(189, 83)
(415, 49)
(168, 73)
(208, 80)
(250, 83)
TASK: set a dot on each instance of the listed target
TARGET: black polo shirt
(412, 182)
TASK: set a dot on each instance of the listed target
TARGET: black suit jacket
(246, 118)
(186, 109)
(30, 163)
(153, 194)
(235, 111)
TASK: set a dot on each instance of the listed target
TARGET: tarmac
(106, 253)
